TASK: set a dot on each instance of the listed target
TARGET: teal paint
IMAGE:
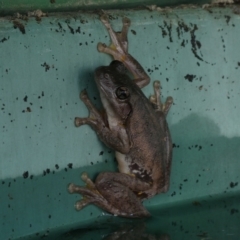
(194, 53)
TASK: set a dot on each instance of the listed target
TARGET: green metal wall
(12, 6)
(45, 64)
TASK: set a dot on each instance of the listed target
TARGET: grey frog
(134, 126)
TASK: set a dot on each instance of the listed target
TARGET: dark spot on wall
(190, 77)
(182, 27)
(25, 99)
(183, 43)
(228, 18)
(52, 1)
(232, 184)
(47, 66)
(4, 39)
(233, 211)
(175, 145)
(28, 109)
(19, 25)
(133, 32)
(60, 25)
(78, 30)
(173, 194)
(164, 32)
(25, 174)
(101, 153)
(195, 43)
(70, 165)
(71, 29)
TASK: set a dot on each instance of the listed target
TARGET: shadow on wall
(204, 162)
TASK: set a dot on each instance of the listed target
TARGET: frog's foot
(156, 99)
(94, 115)
(119, 46)
(90, 193)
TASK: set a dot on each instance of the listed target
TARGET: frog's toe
(153, 99)
(81, 204)
(84, 176)
(126, 21)
(71, 188)
(88, 181)
(167, 105)
(83, 94)
(169, 101)
(157, 85)
(101, 47)
(80, 121)
(104, 18)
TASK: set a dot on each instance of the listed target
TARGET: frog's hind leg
(123, 191)
(156, 100)
(110, 194)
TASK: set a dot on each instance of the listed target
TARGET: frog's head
(115, 88)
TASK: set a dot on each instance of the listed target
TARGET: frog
(134, 126)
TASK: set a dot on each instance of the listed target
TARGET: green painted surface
(194, 53)
(11, 6)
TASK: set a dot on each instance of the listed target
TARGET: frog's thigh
(117, 189)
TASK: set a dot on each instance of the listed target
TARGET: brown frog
(134, 126)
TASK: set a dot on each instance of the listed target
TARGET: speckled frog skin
(134, 126)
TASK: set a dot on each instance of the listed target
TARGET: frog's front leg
(119, 50)
(113, 192)
(156, 100)
(117, 140)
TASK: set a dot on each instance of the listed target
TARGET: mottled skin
(134, 126)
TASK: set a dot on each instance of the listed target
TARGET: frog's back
(151, 151)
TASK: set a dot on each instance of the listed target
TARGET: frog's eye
(122, 93)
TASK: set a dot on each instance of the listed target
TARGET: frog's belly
(123, 162)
